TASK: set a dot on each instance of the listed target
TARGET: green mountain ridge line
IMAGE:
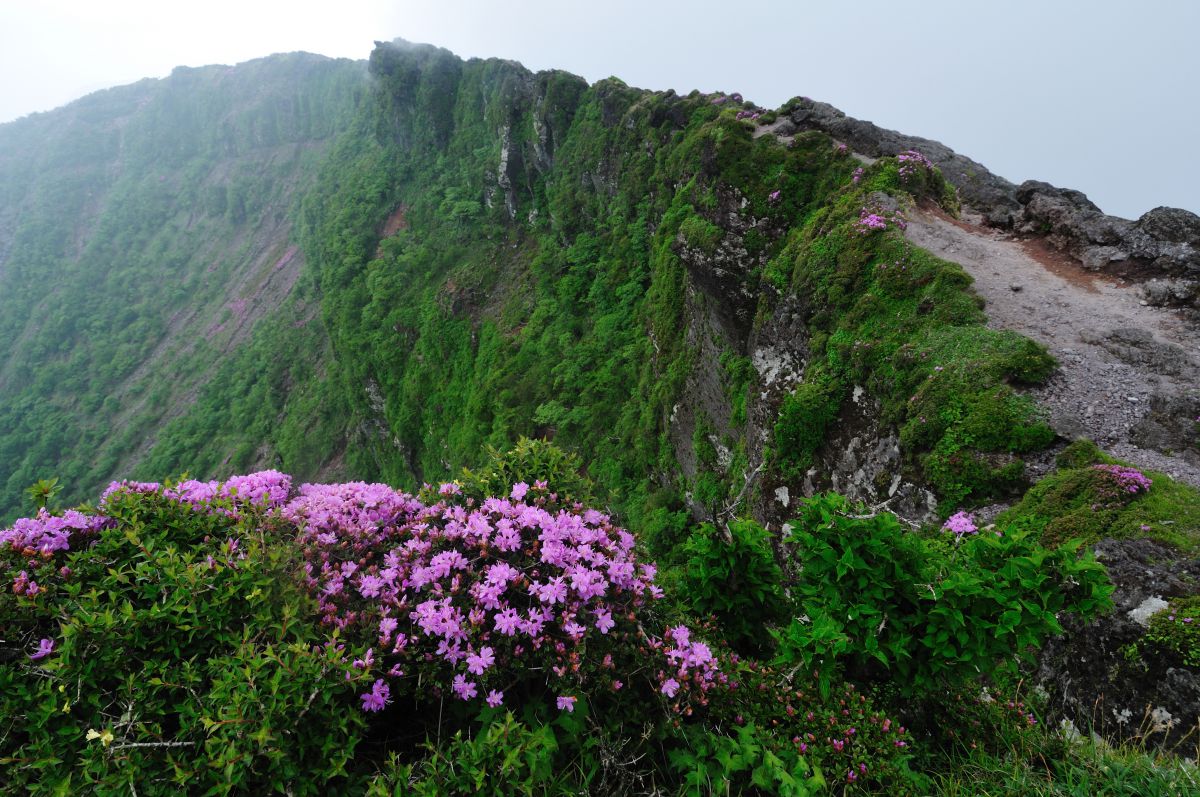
(529, 198)
(698, 397)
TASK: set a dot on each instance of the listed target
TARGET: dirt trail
(1125, 367)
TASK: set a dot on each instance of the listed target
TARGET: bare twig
(875, 509)
(124, 745)
(732, 507)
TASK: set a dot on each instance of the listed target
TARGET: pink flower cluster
(482, 599)
(268, 489)
(41, 538)
(349, 520)
(872, 220)
(961, 524)
(691, 666)
(47, 533)
(911, 163)
(474, 598)
(1128, 480)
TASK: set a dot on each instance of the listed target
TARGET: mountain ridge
(1022, 210)
(393, 273)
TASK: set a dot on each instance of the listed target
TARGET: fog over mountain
(1100, 101)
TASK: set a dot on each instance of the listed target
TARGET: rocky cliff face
(1097, 679)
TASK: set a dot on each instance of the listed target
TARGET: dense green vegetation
(546, 277)
(244, 685)
(143, 231)
(396, 271)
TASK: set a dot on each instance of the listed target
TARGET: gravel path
(1128, 372)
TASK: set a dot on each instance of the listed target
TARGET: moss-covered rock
(1081, 501)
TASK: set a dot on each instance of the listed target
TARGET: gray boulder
(1091, 675)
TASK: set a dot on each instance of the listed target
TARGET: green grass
(1065, 505)
(1084, 768)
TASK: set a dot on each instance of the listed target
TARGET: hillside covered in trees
(642, 450)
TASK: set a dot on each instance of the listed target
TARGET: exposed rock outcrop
(1163, 245)
(1094, 675)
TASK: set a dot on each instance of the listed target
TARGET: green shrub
(841, 731)
(735, 578)
(530, 461)
(885, 604)
(505, 757)
(183, 658)
(749, 762)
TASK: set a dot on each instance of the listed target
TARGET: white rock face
(1142, 613)
(782, 496)
(724, 455)
(774, 364)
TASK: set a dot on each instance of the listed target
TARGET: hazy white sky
(1101, 96)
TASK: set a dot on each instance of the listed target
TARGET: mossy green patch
(1175, 631)
(804, 418)
(1076, 502)
(739, 375)
(905, 325)
(701, 234)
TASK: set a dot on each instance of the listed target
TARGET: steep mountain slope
(380, 271)
(702, 299)
(642, 277)
(144, 231)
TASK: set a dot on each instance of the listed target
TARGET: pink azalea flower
(566, 703)
(476, 664)
(377, 698)
(508, 621)
(463, 688)
(45, 648)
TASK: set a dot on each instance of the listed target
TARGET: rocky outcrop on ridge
(1161, 249)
